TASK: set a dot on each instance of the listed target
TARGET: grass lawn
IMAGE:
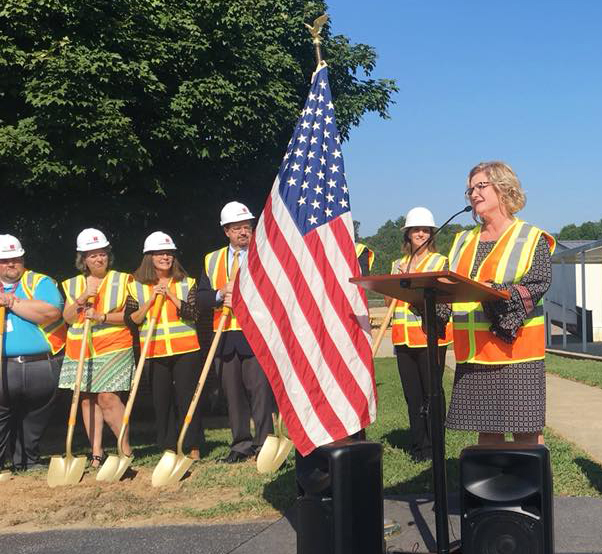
(584, 371)
(574, 473)
(218, 492)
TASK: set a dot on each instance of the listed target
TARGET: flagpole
(315, 31)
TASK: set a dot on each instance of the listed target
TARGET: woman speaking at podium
(408, 336)
(499, 385)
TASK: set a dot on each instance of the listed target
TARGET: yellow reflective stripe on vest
(29, 282)
(402, 315)
(165, 329)
(514, 262)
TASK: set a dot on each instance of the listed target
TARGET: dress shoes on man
(235, 457)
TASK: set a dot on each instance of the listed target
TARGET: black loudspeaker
(340, 499)
(506, 500)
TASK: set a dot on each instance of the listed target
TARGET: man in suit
(244, 383)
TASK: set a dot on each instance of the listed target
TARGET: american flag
(307, 325)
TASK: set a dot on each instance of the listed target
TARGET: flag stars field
(308, 323)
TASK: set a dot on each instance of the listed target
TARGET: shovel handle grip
(157, 306)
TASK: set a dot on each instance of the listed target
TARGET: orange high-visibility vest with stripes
(217, 269)
(407, 326)
(359, 250)
(507, 263)
(172, 334)
(104, 338)
(55, 333)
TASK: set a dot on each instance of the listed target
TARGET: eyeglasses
(240, 228)
(161, 253)
(478, 187)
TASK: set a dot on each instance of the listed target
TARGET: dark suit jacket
(231, 341)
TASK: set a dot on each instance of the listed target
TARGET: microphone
(433, 235)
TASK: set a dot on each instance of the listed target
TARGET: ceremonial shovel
(69, 470)
(275, 449)
(4, 475)
(115, 466)
(173, 465)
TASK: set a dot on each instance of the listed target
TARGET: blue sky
(518, 81)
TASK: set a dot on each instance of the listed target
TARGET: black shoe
(235, 457)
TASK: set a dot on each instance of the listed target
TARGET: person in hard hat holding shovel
(174, 356)
(109, 361)
(408, 334)
(245, 385)
(34, 335)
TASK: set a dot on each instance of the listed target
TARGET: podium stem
(436, 414)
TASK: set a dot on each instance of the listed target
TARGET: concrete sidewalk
(577, 531)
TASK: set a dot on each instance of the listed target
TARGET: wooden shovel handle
(139, 368)
(383, 327)
(78, 381)
(2, 323)
(199, 388)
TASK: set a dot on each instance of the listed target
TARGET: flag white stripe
(305, 331)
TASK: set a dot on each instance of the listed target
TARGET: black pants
(173, 380)
(412, 364)
(249, 395)
(27, 397)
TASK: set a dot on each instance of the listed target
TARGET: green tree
(135, 116)
(387, 243)
(589, 230)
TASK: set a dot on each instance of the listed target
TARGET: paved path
(574, 411)
(576, 529)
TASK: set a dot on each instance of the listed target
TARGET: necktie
(235, 266)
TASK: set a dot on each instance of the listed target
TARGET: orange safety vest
(216, 268)
(359, 250)
(172, 334)
(508, 261)
(407, 326)
(55, 333)
(104, 338)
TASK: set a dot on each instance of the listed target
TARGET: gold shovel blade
(65, 471)
(284, 448)
(267, 454)
(171, 468)
(5, 476)
(114, 468)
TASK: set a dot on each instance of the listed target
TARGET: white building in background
(576, 269)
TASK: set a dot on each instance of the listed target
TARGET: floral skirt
(108, 373)
(498, 398)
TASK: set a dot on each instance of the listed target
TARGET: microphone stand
(433, 235)
(435, 408)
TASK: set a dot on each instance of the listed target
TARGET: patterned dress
(510, 397)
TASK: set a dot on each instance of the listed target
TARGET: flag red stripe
(263, 353)
(343, 309)
(303, 368)
(339, 369)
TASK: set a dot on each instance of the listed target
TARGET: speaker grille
(503, 532)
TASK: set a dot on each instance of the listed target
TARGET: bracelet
(105, 318)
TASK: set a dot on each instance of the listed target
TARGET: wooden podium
(429, 289)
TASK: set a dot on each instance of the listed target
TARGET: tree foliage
(140, 115)
(388, 240)
(590, 230)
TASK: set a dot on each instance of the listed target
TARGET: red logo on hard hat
(95, 239)
(12, 246)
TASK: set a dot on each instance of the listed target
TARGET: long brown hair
(406, 247)
(147, 274)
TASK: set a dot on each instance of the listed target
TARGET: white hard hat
(419, 217)
(91, 239)
(10, 247)
(233, 212)
(158, 241)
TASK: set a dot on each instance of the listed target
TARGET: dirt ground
(28, 504)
